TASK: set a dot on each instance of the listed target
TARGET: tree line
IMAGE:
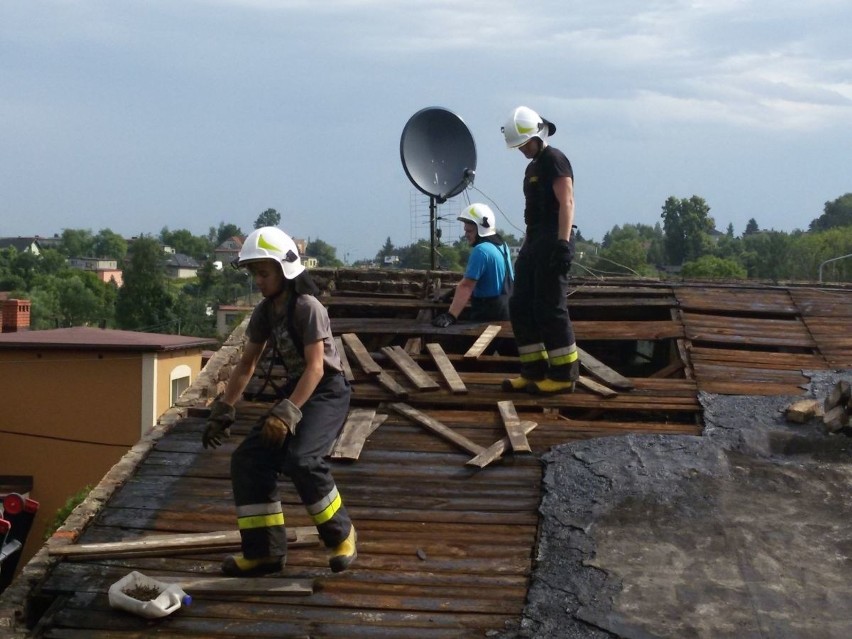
(686, 243)
(683, 244)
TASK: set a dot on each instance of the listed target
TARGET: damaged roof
(449, 517)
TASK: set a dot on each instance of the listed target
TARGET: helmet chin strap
(282, 290)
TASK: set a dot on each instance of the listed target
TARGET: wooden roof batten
(435, 474)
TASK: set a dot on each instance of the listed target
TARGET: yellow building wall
(85, 396)
(69, 416)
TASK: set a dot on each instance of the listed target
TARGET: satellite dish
(439, 157)
(438, 153)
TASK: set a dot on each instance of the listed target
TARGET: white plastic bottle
(170, 597)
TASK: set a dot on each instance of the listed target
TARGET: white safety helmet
(271, 243)
(523, 125)
(482, 216)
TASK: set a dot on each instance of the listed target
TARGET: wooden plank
(445, 367)
(603, 372)
(360, 424)
(803, 410)
(668, 371)
(483, 341)
(391, 385)
(498, 448)
(512, 423)
(410, 368)
(344, 360)
(437, 427)
(729, 299)
(242, 585)
(365, 360)
(414, 345)
(654, 330)
(174, 544)
(593, 386)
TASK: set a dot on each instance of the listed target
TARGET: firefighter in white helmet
(488, 277)
(539, 302)
(295, 434)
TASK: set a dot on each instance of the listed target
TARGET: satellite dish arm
(467, 180)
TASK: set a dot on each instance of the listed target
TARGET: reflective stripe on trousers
(255, 469)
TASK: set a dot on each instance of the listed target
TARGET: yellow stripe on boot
(238, 566)
(344, 554)
(516, 384)
(550, 387)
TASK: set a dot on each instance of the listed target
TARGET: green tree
(765, 255)
(51, 262)
(449, 256)
(712, 267)
(729, 248)
(810, 250)
(623, 256)
(416, 256)
(687, 225)
(144, 302)
(79, 305)
(386, 251)
(77, 243)
(325, 254)
(45, 312)
(622, 247)
(270, 217)
(24, 265)
(109, 245)
(224, 232)
(194, 316)
(183, 241)
(751, 227)
(835, 214)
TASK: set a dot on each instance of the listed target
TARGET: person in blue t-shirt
(488, 278)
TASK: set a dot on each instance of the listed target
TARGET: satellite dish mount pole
(433, 224)
(433, 227)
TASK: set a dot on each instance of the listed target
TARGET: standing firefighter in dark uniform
(296, 433)
(539, 303)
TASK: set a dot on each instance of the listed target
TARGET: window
(180, 379)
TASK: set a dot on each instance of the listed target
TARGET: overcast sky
(138, 115)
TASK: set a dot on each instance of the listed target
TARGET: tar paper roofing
(106, 339)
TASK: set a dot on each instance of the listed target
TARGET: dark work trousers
(539, 314)
(255, 469)
(488, 309)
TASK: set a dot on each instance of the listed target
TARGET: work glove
(562, 256)
(280, 422)
(444, 319)
(219, 422)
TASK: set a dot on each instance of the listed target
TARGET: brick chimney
(16, 316)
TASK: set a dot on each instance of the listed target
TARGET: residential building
(51, 380)
(21, 244)
(106, 270)
(228, 250)
(180, 266)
